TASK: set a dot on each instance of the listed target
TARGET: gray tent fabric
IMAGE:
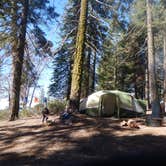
(109, 103)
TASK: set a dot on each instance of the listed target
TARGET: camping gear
(109, 103)
(130, 123)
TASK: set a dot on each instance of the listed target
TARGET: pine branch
(63, 42)
(91, 46)
(105, 4)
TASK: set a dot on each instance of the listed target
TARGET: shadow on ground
(88, 142)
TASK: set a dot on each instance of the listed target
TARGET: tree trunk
(86, 75)
(115, 72)
(147, 89)
(154, 101)
(164, 50)
(33, 92)
(69, 80)
(18, 55)
(78, 57)
(92, 87)
(87, 85)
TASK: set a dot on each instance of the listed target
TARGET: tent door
(108, 105)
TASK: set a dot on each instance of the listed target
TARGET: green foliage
(138, 17)
(4, 114)
(61, 72)
(56, 106)
(40, 13)
(61, 77)
(138, 13)
(27, 113)
(95, 34)
(20, 17)
(122, 65)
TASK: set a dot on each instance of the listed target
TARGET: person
(45, 113)
(66, 115)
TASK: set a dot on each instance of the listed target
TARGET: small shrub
(26, 113)
(56, 106)
(4, 114)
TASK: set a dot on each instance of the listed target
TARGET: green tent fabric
(109, 103)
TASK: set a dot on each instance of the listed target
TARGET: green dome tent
(109, 103)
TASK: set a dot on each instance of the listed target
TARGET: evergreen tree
(78, 57)
(115, 68)
(95, 34)
(18, 54)
(17, 16)
(138, 17)
(62, 63)
(164, 52)
(123, 64)
(60, 86)
(154, 101)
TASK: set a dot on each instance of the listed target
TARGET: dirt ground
(89, 141)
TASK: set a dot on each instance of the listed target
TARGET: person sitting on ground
(45, 113)
(66, 115)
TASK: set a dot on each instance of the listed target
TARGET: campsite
(89, 141)
(82, 82)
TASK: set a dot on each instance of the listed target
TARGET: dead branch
(63, 41)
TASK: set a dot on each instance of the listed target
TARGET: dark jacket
(45, 111)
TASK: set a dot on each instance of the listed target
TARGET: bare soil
(89, 141)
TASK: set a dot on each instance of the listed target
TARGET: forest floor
(89, 141)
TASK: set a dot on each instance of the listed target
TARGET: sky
(52, 34)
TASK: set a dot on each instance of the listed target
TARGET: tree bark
(164, 50)
(85, 86)
(69, 80)
(18, 55)
(147, 89)
(92, 87)
(115, 72)
(154, 101)
(33, 92)
(78, 57)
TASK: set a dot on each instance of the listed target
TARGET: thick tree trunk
(18, 55)
(164, 50)
(86, 75)
(155, 105)
(78, 57)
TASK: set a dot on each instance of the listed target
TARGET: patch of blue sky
(53, 34)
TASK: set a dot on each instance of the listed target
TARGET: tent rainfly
(109, 103)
